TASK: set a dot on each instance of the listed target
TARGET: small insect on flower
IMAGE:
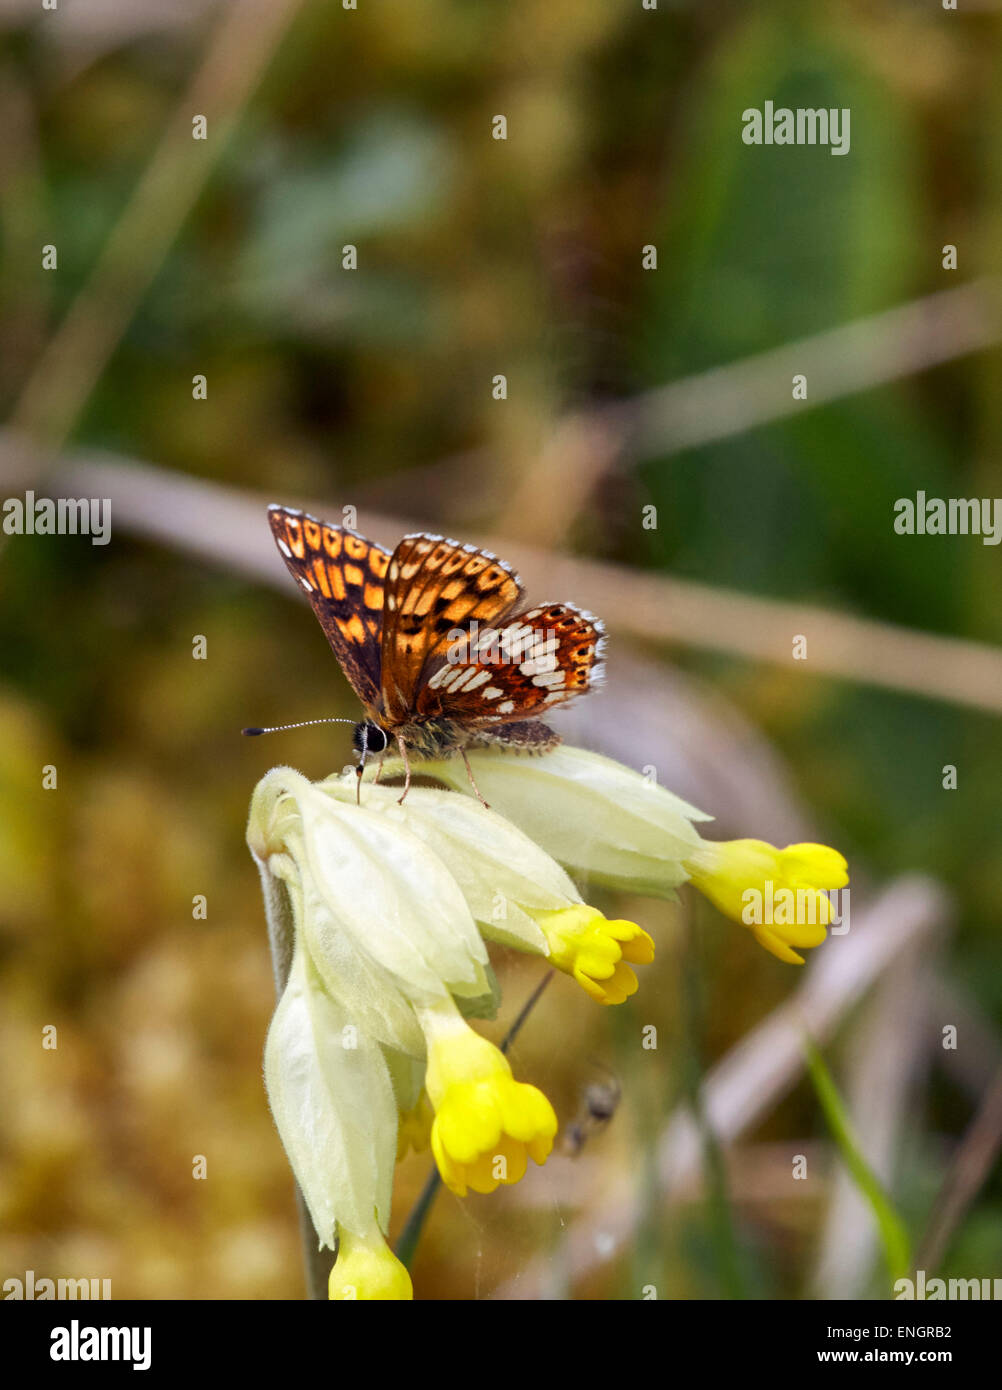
(598, 1106)
(435, 640)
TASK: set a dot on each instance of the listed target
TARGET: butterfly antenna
(279, 728)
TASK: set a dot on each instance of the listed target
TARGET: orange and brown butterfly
(434, 639)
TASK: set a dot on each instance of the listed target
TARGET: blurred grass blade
(894, 1238)
(719, 1207)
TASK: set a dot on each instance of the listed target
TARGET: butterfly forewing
(516, 669)
(434, 588)
(343, 576)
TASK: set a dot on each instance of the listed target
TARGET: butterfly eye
(369, 738)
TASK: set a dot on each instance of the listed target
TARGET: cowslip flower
(383, 909)
(518, 894)
(749, 880)
(487, 1124)
(595, 951)
(602, 819)
(379, 914)
(368, 1264)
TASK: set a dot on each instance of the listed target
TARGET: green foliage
(894, 1239)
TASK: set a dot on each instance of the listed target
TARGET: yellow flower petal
(366, 1268)
(414, 1127)
(487, 1124)
(782, 894)
(594, 950)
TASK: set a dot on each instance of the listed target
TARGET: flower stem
(527, 1009)
(720, 1214)
(411, 1234)
(317, 1262)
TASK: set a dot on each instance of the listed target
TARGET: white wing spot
(537, 665)
(465, 675)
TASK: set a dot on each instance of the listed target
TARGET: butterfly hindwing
(434, 588)
(517, 669)
(343, 575)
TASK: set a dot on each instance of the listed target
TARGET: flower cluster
(381, 911)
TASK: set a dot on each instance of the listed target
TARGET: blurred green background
(372, 387)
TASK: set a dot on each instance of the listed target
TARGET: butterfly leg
(379, 772)
(473, 780)
(407, 767)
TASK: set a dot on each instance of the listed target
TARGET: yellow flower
(597, 817)
(414, 1129)
(594, 950)
(780, 893)
(487, 1124)
(367, 1268)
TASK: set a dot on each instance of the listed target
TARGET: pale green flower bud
(607, 821)
(593, 815)
(333, 1105)
(385, 923)
(504, 876)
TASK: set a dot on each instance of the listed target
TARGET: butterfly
(435, 640)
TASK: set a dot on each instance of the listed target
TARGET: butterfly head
(369, 738)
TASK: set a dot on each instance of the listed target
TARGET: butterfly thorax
(439, 738)
(433, 738)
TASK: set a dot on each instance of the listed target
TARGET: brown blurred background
(372, 388)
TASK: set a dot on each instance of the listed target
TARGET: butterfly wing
(343, 575)
(517, 669)
(435, 587)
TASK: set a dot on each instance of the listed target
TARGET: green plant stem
(891, 1229)
(714, 1171)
